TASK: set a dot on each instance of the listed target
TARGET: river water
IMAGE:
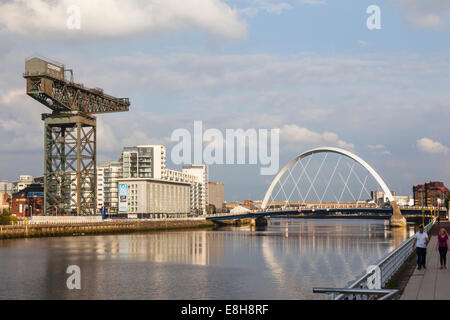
(281, 261)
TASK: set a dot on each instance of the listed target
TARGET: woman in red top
(442, 246)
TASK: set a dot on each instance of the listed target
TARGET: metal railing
(380, 294)
(363, 288)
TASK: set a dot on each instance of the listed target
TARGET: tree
(211, 209)
(6, 218)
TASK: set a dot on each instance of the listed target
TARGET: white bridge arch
(343, 152)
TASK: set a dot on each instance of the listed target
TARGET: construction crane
(70, 142)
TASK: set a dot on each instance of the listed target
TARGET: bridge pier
(397, 220)
(259, 222)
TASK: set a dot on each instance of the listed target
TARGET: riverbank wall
(93, 228)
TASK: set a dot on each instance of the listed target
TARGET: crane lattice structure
(70, 146)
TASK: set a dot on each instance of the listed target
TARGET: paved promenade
(431, 283)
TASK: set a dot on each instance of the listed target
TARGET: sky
(310, 68)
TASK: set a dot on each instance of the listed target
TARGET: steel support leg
(70, 174)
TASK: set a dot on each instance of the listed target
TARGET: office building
(6, 187)
(216, 195)
(153, 197)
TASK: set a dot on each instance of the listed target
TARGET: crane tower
(70, 135)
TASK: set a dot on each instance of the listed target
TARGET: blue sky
(305, 66)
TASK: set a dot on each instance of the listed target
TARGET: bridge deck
(316, 211)
(431, 283)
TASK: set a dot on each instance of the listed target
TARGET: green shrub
(6, 218)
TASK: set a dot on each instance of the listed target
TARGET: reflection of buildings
(429, 194)
(190, 247)
(317, 253)
(285, 262)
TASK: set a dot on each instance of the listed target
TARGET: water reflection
(281, 261)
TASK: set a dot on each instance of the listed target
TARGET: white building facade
(144, 161)
(149, 162)
(153, 197)
(108, 176)
(6, 187)
(23, 182)
(199, 192)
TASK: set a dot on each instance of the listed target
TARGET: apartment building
(145, 161)
(108, 176)
(199, 190)
(430, 193)
(149, 162)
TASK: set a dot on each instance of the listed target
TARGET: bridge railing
(299, 209)
(379, 274)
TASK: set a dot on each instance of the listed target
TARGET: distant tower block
(70, 147)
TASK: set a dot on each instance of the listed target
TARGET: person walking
(442, 246)
(421, 240)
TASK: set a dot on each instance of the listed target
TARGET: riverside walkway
(431, 283)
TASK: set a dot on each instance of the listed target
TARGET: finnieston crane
(70, 146)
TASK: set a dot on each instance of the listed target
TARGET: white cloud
(265, 6)
(313, 2)
(363, 43)
(180, 72)
(376, 146)
(21, 127)
(115, 18)
(432, 14)
(328, 95)
(380, 149)
(296, 135)
(430, 146)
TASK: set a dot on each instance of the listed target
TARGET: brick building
(28, 202)
(427, 194)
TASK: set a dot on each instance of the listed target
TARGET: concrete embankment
(79, 229)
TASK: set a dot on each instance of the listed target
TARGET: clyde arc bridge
(322, 181)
